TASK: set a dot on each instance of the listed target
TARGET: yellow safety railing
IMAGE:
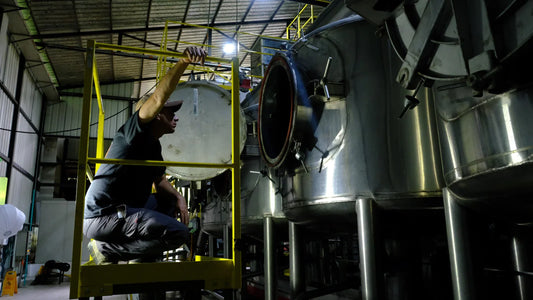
(163, 64)
(208, 272)
(299, 26)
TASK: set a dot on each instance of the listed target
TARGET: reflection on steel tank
(260, 193)
(328, 123)
(203, 132)
(485, 139)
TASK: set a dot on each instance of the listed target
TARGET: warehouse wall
(62, 128)
(21, 104)
(63, 118)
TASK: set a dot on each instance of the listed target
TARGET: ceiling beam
(146, 25)
(182, 21)
(265, 27)
(211, 24)
(110, 16)
(322, 3)
(155, 28)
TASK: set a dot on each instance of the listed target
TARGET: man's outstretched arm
(168, 84)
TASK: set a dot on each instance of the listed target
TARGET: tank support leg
(227, 241)
(297, 280)
(459, 248)
(521, 264)
(270, 258)
(212, 242)
(367, 248)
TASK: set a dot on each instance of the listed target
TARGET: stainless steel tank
(259, 188)
(259, 198)
(203, 133)
(482, 87)
(216, 214)
(331, 127)
(486, 142)
(259, 195)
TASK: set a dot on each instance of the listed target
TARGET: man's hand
(181, 207)
(195, 55)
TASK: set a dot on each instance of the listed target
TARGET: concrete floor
(61, 292)
(50, 292)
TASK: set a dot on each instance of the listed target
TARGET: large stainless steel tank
(259, 187)
(486, 142)
(259, 195)
(481, 71)
(259, 198)
(203, 133)
(352, 144)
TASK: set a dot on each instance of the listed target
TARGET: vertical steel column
(82, 165)
(36, 172)
(459, 248)
(521, 264)
(269, 258)
(367, 248)
(14, 123)
(297, 279)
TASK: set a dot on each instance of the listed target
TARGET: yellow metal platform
(204, 273)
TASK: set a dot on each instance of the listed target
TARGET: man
(122, 217)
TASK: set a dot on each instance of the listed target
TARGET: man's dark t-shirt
(124, 184)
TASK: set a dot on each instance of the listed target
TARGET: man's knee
(175, 238)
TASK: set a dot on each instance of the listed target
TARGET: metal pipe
(297, 278)
(269, 259)
(367, 248)
(459, 248)
(521, 264)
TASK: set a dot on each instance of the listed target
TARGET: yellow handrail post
(236, 176)
(82, 165)
(101, 117)
(299, 24)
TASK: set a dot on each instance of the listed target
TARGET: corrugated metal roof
(64, 26)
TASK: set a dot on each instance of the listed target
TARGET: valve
(324, 81)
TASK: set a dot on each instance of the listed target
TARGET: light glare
(229, 48)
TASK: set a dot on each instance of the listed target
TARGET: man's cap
(174, 105)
